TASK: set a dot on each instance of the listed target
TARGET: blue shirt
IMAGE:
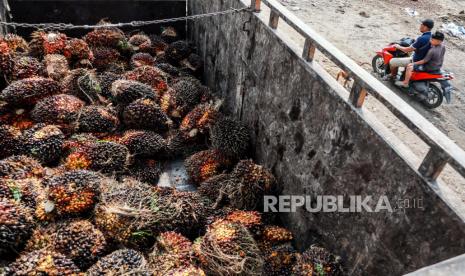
(422, 46)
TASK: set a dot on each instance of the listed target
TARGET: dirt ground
(360, 27)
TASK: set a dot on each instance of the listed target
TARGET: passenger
(431, 63)
(420, 48)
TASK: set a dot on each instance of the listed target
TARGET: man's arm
(404, 49)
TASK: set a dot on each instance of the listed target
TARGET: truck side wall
(317, 144)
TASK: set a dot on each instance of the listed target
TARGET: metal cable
(68, 26)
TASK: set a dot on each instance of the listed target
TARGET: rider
(432, 62)
(420, 48)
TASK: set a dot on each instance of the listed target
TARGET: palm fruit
(205, 164)
(250, 183)
(151, 76)
(61, 109)
(83, 84)
(180, 145)
(145, 114)
(231, 137)
(44, 142)
(29, 91)
(318, 261)
(107, 157)
(178, 51)
(17, 117)
(280, 260)
(94, 118)
(193, 64)
(10, 140)
(143, 143)
(36, 45)
(6, 57)
(78, 240)
(125, 92)
(171, 251)
(20, 167)
(16, 43)
(228, 249)
(103, 57)
(78, 141)
(56, 66)
(169, 34)
(120, 262)
(23, 67)
(183, 96)
(158, 44)
(77, 52)
(54, 43)
(24, 191)
(140, 42)
(169, 69)
(141, 59)
(16, 225)
(146, 170)
(199, 119)
(274, 234)
(106, 80)
(105, 37)
(252, 220)
(42, 262)
(212, 187)
(73, 192)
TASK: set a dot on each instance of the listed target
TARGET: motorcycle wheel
(435, 97)
(378, 65)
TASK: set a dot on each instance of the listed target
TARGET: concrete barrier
(317, 142)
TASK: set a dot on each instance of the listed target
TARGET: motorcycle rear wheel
(435, 97)
(378, 65)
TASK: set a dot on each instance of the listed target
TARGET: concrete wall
(316, 144)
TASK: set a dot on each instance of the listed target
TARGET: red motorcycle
(422, 85)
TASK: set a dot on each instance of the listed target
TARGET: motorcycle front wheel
(434, 98)
(378, 65)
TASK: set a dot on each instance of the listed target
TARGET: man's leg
(408, 74)
(395, 63)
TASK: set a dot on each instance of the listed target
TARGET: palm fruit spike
(44, 142)
(145, 114)
(20, 167)
(317, 260)
(16, 225)
(169, 34)
(205, 164)
(105, 37)
(146, 170)
(229, 249)
(77, 51)
(151, 76)
(250, 183)
(106, 80)
(103, 156)
(200, 119)
(29, 91)
(56, 66)
(10, 140)
(73, 192)
(125, 91)
(183, 97)
(143, 143)
(42, 262)
(78, 240)
(120, 262)
(97, 119)
(24, 191)
(16, 43)
(231, 137)
(171, 251)
(23, 67)
(141, 59)
(178, 51)
(103, 57)
(61, 109)
(140, 42)
(83, 84)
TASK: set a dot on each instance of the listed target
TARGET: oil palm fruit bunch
(61, 109)
(78, 52)
(213, 187)
(125, 92)
(20, 167)
(149, 75)
(252, 220)
(172, 250)
(56, 66)
(83, 83)
(15, 116)
(230, 136)
(171, 70)
(16, 43)
(143, 143)
(23, 67)
(78, 240)
(120, 262)
(177, 51)
(193, 64)
(16, 225)
(105, 37)
(10, 140)
(146, 170)
(228, 248)
(44, 142)
(204, 164)
(280, 260)
(6, 58)
(97, 119)
(101, 156)
(43, 43)
(106, 80)
(158, 45)
(141, 59)
(190, 270)
(27, 92)
(104, 57)
(25, 191)
(140, 43)
(198, 121)
(42, 262)
(145, 114)
(317, 260)
(72, 192)
(275, 234)
(169, 34)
